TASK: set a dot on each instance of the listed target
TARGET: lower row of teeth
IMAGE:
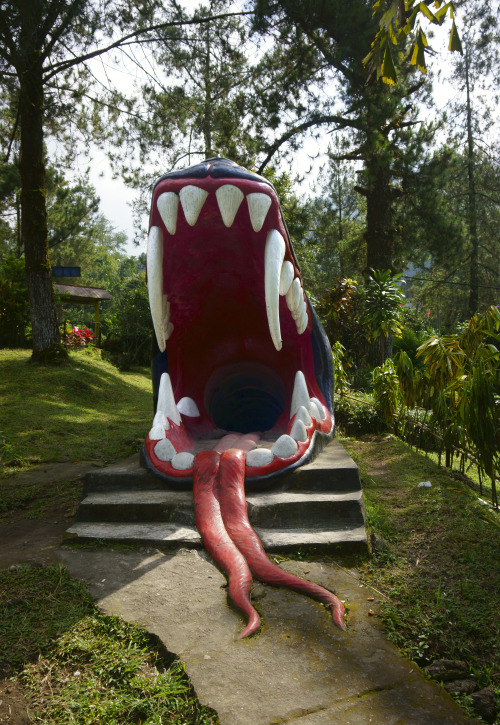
(303, 407)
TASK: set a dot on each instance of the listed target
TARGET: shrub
(129, 325)
(357, 418)
(14, 308)
(78, 337)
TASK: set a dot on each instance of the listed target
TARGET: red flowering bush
(78, 337)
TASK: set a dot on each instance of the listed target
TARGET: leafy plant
(382, 311)
(386, 391)
(129, 324)
(464, 389)
(339, 310)
(341, 380)
(14, 309)
(357, 418)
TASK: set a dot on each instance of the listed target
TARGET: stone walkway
(299, 668)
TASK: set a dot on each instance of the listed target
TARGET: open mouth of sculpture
(246, 368)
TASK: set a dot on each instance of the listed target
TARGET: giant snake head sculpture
(244, 376)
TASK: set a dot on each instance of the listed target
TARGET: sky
(116, 197)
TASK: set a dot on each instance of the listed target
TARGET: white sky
(116, 198)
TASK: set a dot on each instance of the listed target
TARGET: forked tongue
(217, 542)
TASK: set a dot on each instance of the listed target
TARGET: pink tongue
(238, 441)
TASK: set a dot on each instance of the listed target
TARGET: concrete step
(332, 470)
(166, 535)
(141, 532)
(320, 504)
(306, 510)
(146, 505)
(351, 539)
(281, 510)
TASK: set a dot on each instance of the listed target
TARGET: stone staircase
(320, 505)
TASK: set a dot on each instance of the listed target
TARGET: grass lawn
(85, 409)
(438, 567)
(77, 666)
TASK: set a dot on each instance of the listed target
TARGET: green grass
(83, 410)
(34, 498)
(79, 666)
(75, 664)
(440, 570)
(36, 605)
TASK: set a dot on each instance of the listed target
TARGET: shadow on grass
(85, 409)
(440, 568)
(77, 665)
(37, 604)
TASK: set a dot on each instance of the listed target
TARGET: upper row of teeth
(229, 198)
(279, 273)
(303, 407)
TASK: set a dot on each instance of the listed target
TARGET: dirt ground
(32, 541)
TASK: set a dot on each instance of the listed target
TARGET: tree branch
(54, 68)
(70, 14)
(315, 121)
(8, 40)
(12, 136)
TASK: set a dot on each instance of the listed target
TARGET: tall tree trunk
(46, 339)
(19, 244)
(207, 107)
(472, 202)
(379, 232)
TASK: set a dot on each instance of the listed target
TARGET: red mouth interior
(220, 352)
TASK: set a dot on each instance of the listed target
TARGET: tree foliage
(44, 45)
(371, 121)
(398, 20)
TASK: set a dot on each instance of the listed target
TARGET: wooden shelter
(73, 294)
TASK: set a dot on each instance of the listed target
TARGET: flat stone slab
(300, 668)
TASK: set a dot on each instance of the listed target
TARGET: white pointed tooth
(259, 457)
(182, 461)
(294, 295)
(297, 294)
(154, 262)
(298, 432)
(258, 206)
(187, 406)
(302, 326)
(166, 400)
(229, 198)
(303, 415)
(168, 205)
(284, 447)
(273, 260)
(300, 396)
(303, 320)
(314, 410)
(286, 277)
(164, 450)
(156, 433)
(192, 199)
(168, 328)
(321, 408)
(161, 419)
